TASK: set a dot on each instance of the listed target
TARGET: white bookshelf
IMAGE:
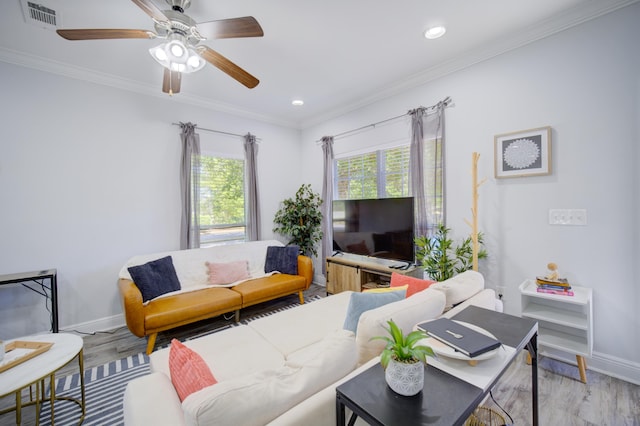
(565, 323)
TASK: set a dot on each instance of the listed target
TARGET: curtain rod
(217, 131)
(446, 101)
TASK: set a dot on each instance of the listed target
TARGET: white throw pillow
(459, 288)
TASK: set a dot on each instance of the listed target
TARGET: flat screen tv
(381, 227)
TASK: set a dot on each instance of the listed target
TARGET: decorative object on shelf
(300, 219)
(524, 153)
(403, 359)
(441, 259)
(552, 283)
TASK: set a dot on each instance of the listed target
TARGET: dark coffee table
(445, 399)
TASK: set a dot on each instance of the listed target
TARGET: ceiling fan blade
(171, 81)
(224, 64)
(101, 34)
(231, 28)
(152, 10)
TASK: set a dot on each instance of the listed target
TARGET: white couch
(283, 369)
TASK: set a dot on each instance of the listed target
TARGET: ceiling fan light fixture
(175, 56)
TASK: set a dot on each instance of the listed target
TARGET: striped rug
(105, 386)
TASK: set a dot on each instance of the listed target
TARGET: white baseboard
(602, 363)
(102, 324)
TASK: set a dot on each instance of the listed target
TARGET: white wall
(89, 176)
(583, 83)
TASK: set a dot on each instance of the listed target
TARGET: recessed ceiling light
(297, 102)
(435, 32)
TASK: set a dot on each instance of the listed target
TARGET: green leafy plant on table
(441, 259)
(403, 348)
(300, 219)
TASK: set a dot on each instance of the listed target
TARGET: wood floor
(563, 398)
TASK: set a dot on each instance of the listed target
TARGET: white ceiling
(337, 55)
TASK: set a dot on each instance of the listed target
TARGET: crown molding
(559, 23)
(104, 79)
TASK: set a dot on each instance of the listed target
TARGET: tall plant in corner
(300, 219)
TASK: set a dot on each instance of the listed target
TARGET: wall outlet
(574, 217)
(500, 290)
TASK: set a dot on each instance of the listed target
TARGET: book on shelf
(463, 339)
(561, 282)
(554, 287)
(554, 291)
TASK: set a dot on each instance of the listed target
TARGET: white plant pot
(405, 379)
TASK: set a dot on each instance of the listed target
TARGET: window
(222, 211)
(377, 174)
(385, 174)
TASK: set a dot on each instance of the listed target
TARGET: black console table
(445, 399)
(28, 278)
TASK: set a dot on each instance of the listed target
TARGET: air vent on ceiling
(41, 15)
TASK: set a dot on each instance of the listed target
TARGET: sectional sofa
(283, 369)
(193, 298)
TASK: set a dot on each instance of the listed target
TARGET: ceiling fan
(181, 52)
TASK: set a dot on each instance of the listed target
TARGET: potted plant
(442, 260)
(300, 219)
(403, 359)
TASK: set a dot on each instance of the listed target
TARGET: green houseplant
(441, 259)
(403, 359)
(300, 220)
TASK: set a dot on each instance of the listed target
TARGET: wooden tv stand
(355, 272)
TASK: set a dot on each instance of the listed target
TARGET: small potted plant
(403, 359)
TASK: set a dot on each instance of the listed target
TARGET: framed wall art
(524, 153)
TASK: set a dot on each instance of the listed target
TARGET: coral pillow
(189, 372)
(415, 284)
(227, 273)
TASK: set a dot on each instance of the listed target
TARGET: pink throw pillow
(227, 273)
(189, 372)
(415, 284)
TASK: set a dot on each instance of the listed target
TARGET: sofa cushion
(189, 372)
(415, 284)
(260, 397)
(296, 328)
(155, 278)
(361, 302)
(406, 313)
(460, 287)
(282, 259)
(227, 273)
(230, 353)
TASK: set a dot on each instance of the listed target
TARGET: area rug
(105, 385)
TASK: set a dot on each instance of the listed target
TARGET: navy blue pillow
(282, 259)
(155, 278)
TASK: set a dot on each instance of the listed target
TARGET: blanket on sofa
(191, 265)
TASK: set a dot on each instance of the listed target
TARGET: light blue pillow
(361, 302)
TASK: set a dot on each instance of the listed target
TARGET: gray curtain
(327, 197)
(190, 187)
(427, 145)
(253, 207)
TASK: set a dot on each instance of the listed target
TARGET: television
(381, 227)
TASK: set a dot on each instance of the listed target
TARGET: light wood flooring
(563, 398)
